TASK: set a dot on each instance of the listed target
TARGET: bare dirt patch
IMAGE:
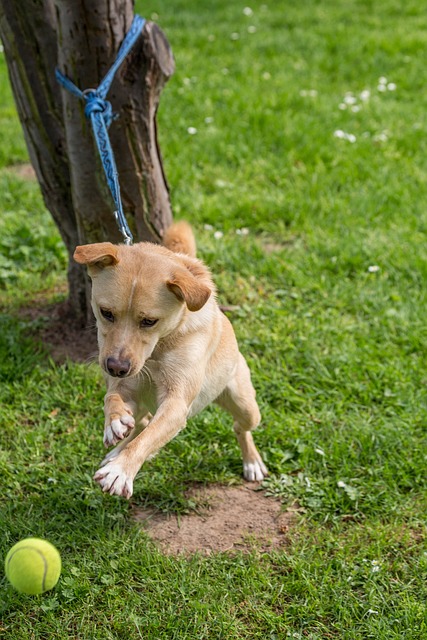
(24, 171)
(56, 330)
(229, 519)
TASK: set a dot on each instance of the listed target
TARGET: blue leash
(100, 113)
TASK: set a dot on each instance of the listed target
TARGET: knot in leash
(100, 113)
(95, 104)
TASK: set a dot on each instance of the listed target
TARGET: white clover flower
(382, 87)
(266, 75)
(382, 80)
(192, 131)
(355, 108)
(375, 566)
(211, 37)
(235, 35)
(218, 235)
(391, 86)
(349, 99)
(345, 136)
(209, 120)
(225, 71)
(342, 106)
(365, 95)
(251, 29)
(247, 11)
(208, 227)
(242, 232)
(341, 484)
(374, 268)
(186, 81)
(381, 137)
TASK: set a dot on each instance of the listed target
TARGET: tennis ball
(33, 566)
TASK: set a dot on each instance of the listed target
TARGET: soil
(230, 519)
(60, 336)
(24, 171)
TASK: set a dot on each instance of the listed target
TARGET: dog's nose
(118, 368)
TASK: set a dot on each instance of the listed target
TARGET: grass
(330, 284)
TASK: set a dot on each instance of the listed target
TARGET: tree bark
(82, 38)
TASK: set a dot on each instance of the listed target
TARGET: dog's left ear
(187, 288)
(99, 255)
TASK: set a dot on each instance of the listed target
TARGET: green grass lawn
(304, 123)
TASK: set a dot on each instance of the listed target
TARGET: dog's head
(140, 295)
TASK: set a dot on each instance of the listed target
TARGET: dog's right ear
(98, 256)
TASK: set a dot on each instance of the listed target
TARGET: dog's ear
(189, 289)
(99, 255)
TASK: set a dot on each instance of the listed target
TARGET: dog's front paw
(254, 471)
(118, 429)
(114, 480)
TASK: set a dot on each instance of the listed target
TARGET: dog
(166, 350)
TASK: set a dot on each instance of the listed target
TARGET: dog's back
(179, 238)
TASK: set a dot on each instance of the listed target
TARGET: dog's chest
(149, 387)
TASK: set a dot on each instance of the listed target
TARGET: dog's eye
(108, 315)
(147, 322)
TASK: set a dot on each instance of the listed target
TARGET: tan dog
(166, 350)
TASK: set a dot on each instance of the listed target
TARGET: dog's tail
(179, 238)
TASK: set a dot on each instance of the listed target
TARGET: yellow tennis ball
(33, 566)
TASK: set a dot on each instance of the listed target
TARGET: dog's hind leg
(238, 398)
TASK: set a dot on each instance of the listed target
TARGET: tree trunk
(82, 38)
